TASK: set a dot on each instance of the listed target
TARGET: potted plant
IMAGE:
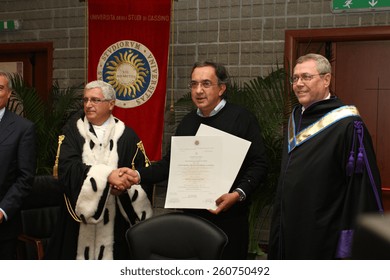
(265, 97)
(49, 116)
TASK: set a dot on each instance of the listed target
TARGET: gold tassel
(140, 147)
(55, 167)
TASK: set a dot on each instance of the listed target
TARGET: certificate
(203, 167)
(234, 150)
(194, 173)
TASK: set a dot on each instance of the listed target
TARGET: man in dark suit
(18, 162)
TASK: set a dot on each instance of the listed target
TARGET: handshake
(122, 179)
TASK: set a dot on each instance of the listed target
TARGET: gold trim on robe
(330, 118)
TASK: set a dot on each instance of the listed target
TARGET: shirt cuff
(5, 214)
(139, 176)
(241, 193)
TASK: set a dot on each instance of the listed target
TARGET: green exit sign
(339, 6)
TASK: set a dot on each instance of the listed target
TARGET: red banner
(128, 44)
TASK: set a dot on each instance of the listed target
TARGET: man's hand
(225, 201)
(119, 179)
(131, 174)
(115, 191)
(123, 178)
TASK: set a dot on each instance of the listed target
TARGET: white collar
(101, 129)
(2, 112)
(328, 97)
(215, 111)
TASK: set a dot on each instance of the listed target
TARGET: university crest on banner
(128, 45)
(132, 70)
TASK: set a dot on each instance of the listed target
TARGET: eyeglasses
(304, 77)
(94, 100)
(204, 84)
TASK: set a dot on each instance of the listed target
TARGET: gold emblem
(132, 70)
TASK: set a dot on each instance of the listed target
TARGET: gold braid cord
(55, 167)
(71, 210)
(140, 147)
(55, 174)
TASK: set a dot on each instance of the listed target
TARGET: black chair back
(39, 217)
(176, 236)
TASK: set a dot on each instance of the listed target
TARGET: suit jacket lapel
(6, 126)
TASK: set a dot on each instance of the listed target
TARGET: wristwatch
(241, 193)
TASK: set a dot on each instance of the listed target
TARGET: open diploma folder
(203, 167)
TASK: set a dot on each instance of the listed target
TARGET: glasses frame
(203, 83)
(305, 77)
(94, 100)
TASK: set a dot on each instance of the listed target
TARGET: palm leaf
(267, 98)
(26, 101)
(48, 116)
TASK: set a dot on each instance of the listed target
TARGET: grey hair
(107, 89)
(7, 75)
(323, 64)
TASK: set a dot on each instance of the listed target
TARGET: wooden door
(37, 58)
(362, 76)
(27, 64)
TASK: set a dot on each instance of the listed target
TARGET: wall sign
(340, 6)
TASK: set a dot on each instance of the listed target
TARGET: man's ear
(327, 78)
(222, 89)
(112, 105)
